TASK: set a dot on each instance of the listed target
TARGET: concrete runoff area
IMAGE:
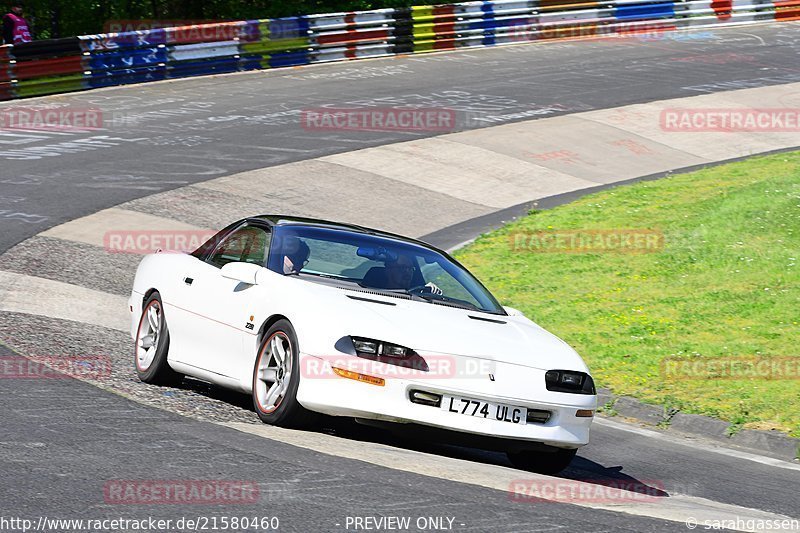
(437, 182)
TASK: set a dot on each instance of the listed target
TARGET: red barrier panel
(5, 66)
(565, 5)
(787, 9)
(6, 91)
(24, 70)
(445, 43)
(444, 23)
(722, 8)
(354, 36)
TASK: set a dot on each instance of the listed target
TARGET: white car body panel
(210, 339)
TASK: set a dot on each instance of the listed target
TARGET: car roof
(283, 220)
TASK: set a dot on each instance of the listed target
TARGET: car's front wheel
(276, 378)
(152, 345)
(542, 462)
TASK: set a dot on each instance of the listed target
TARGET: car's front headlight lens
(393, 350)
(374, 347)
(569, 381)
(388, 353)
(365, 346)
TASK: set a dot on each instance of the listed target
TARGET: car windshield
(377, 263)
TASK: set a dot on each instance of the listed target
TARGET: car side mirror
(243, 272)
(512, 312)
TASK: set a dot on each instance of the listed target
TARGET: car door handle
(188, 281)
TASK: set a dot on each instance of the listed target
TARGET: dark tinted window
(249, 244)
(208, 246)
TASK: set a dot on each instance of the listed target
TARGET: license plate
(487, 410)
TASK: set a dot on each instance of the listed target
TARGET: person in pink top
(15, 28)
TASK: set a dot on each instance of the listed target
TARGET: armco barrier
(76, 63)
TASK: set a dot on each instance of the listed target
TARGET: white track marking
(715, 448)
(93, 229)
(675, 507)
(55, 299)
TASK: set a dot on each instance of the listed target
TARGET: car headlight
(391, 354)
(569, 381)
(365, 346)
(373, 347)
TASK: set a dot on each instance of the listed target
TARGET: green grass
(725, 284)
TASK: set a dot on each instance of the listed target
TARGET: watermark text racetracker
(747, 367)
(74, 119)
(379, 119)
(188, 31)
(92, 367)
(631, 241)
(202, 492)
(558, 490)
(411, 366)
(148, 241)
(634, 30)
(70, 118)
(731, 120)
(51, 118)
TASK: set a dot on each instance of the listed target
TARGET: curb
(772, 442)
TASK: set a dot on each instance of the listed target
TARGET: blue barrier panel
(119, 41)
(251, 62)
(287, 59)
(125, 76)
(200, 67)
(488, 23)
(251, 31)
(288, 28)
(645, 11)
(123, 59)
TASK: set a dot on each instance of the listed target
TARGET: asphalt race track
(62, 441)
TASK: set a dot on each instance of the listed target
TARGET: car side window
(249, 244)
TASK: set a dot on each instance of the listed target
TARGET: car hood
(437, 329)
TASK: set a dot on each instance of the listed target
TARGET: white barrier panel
(184, 52)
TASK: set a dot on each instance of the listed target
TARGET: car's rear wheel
(276, 378)
(542, 462)
(152, 345)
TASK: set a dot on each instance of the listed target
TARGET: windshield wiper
(321, 275)
(325, 276)
(427, 297)
(440, 298)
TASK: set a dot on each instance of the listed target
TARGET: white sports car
(313, 317)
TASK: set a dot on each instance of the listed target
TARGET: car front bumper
(509, 384)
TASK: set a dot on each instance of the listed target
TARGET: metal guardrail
(89, 61)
